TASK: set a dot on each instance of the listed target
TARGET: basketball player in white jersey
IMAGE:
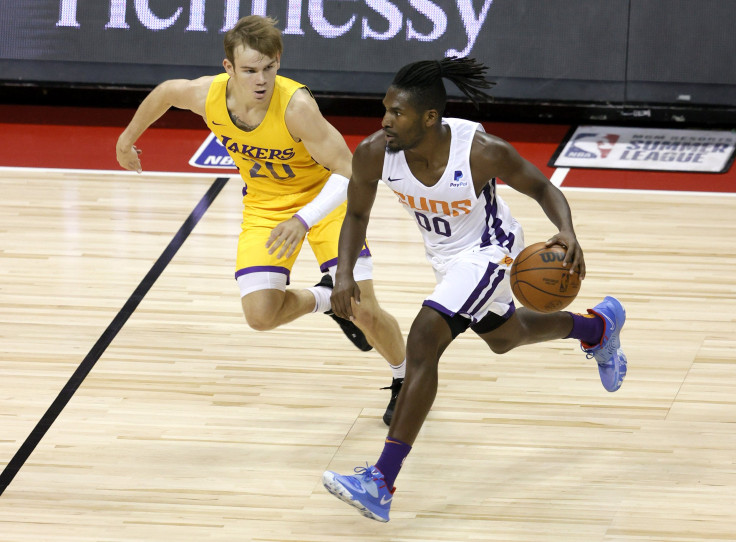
(444, 173)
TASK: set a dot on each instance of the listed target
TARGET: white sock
(399, 371)
(321, 297)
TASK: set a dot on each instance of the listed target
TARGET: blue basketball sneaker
(608, 353)
(366, 490)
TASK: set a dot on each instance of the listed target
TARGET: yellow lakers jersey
(271, 163)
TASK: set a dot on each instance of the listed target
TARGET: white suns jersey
(451, 218)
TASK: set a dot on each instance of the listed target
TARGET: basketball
(538, 280)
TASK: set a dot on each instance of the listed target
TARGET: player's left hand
(345, 297)
(129, 157)
(574, 260)
(286, 235)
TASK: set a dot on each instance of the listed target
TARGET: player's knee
(259, 321)
(421, 352)
(422, 365)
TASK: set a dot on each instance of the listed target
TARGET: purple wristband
(300, 219)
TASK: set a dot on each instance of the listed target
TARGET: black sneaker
(350, 330)
(395, 388)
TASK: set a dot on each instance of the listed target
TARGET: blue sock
(391, 460)
(587, 328)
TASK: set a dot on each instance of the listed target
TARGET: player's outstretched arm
(367, 166)
(180, 93)
(497, 158)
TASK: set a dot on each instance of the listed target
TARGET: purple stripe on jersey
(510, 243)
(491, 209)
(491, 290)
(263, 268)
(439, 308)
(496, 225)
(493, 222)
(479, 289)
(329, 263)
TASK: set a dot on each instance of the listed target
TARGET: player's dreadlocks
(423, 80)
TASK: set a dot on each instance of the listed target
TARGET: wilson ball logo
(550, 257)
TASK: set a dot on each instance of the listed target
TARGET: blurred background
(564, 61)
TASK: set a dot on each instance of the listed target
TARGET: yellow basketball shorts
(253, 256)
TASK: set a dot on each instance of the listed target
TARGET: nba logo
(212, 154)
(606, 143)
(591, 145)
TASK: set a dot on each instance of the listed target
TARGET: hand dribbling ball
(538, 280)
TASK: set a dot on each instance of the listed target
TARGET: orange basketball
(539, 281)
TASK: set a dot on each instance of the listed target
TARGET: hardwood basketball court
(191, 426)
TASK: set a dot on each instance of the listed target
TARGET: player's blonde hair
(257, 32)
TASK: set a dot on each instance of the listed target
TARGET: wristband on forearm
(333, 193)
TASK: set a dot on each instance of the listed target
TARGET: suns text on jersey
(440, 207)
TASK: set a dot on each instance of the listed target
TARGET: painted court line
(558, 177)
(121, 172)
(68, 391)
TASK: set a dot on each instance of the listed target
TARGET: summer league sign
(212, 154)
(608, 147)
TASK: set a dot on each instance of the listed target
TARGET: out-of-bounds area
(84, 138)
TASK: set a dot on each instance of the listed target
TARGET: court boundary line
(558, 177)
(236, 175)
(121, 172)
(645, 191)
(94, 354)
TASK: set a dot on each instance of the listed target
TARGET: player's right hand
(287, 235)
(574, 260)
(345, 292)
(128, 158)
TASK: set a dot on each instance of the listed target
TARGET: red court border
(84, 138)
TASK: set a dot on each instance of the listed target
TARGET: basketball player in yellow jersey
(296, 167)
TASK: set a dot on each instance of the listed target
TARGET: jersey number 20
(255, 171)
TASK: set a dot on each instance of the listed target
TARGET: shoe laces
(367, 474)
(395, 386)
(608, 349)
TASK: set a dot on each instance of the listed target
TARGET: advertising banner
(654, 149)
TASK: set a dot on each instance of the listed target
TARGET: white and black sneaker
(395, 388)
(350, 330)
